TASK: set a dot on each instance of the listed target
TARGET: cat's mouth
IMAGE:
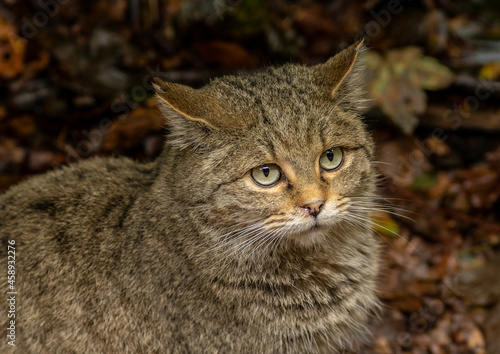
(315, 226)
(309, 236)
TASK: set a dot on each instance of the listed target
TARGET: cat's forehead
(283, 81)
(285, 102)
(309, 135)
(286, 97)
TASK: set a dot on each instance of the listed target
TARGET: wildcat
(250, 233)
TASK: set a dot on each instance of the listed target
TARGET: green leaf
(385, 225)
(424, 182)
(432, 75)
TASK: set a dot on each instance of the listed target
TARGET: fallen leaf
(130, 130)
(476, 341)
(382, 346)
(424, 181)
(3, 112)
(314, 21)
(429, 74)
(398, 81)
(22, 126)
(11, 153)
(40, 160)
(12, 49)
(226, 55)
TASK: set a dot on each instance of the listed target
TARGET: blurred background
(75, 82)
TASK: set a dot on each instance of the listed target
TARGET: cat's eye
(266, 175)
(332, 159)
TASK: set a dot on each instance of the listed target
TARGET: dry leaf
(226, 55)
(399, 80)
(476, 341)
(12, 48)
(130, 130)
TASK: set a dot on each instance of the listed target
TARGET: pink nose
(314, 208)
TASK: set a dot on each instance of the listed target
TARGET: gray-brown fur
(117, 256)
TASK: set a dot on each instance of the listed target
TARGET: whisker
(362, 221)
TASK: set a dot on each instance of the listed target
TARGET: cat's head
(280, 155)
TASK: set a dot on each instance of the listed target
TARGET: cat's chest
(292, 288)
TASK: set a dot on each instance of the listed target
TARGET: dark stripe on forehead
(242, 86)
(281, 139)
(302, 94)
(308, 129)
(258, 103)
(280, 79)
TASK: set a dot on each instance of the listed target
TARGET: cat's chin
(309, 237)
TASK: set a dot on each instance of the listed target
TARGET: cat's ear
(196, 105)
(192, 114)
(341, 77)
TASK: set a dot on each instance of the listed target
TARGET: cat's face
(296, 183)
(281, 155)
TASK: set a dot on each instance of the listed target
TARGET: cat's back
(79, 199)
(68, 208)
(65, 228)
(88, 189)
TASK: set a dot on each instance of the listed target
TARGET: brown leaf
(441, 186)
(382, 346)
(314, 21)
(226, 55)
(12, 49)
(130, 130)
(22, 126)
(407, 304)
(11, 153)
(402, 160)
(40, 160)
(475, 342)
(3, 112)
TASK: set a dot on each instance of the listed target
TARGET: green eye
(266, 175)
(331, 159)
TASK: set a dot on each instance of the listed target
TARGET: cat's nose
(313, 208)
